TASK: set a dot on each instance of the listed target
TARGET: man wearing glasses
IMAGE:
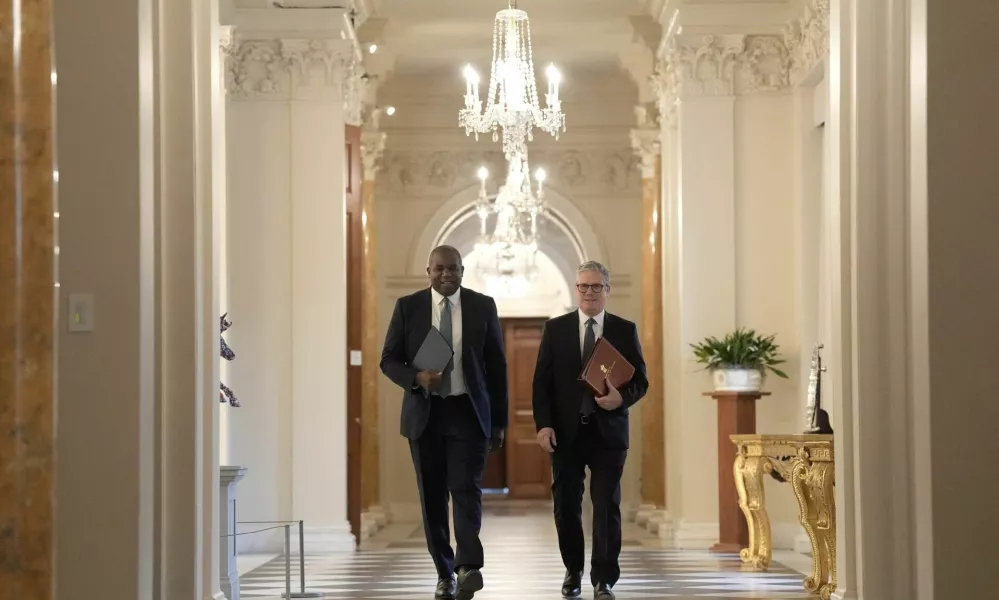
(580, 430)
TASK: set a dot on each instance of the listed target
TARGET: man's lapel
(572, 340)
(610, 332)
(424, 315)
(467, 325)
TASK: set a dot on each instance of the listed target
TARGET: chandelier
(510, 248)
(512, 102)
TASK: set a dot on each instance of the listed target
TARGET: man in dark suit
(452, 418)
(580, 430)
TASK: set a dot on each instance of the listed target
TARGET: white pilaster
(700, 82)
(292, 87)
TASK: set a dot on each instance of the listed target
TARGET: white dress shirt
(598, 328)
(457, 373)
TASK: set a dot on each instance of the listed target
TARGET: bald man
(452, 418)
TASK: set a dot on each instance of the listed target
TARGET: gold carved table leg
(813, 487)
(749, 471)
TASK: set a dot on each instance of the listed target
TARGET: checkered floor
(522, 562)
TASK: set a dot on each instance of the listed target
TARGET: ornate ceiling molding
(719, 65)
(295, 69)
(583, 171)
(807, 39)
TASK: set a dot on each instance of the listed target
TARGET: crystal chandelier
(509, 250)
(512, 103)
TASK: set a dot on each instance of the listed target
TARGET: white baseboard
(802, 544)
(842, 594)
(265, 542)
(381, 515)
(325, 539)
(696, 536)
(784, 535)
(372, 521)
(642, 515)
(661, 524)
(702, 536)
(629, 512)
(406, 512)
(216, 596)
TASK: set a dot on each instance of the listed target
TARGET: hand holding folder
(433, 356)
(605, 365)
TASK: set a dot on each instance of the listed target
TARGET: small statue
(816, 419)
(226, 352)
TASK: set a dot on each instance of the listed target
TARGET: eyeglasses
(596, 287)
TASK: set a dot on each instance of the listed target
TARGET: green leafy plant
(741, 349)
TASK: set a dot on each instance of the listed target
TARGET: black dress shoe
(445, 588)
(469, 582)
(602, 591)
(572, 584)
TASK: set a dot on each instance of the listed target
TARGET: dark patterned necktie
(589, 341)
(445, 330)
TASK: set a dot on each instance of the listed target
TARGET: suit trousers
(450, 457)
(606, 467)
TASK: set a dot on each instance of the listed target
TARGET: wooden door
(355, 255)
(528, 466)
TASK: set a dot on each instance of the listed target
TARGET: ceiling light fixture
(512, 100)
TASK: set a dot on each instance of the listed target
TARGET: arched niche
(567, 238)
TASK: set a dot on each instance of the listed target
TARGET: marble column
(375, 515)
(27, 303)
(291, 82)
(653, 512)
(721, 100)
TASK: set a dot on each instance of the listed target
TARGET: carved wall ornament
(372, 150)
(646, 144)
(591, 170)
(719, 65)
(807, 39)
(295, 69)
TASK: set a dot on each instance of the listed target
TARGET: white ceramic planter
(737, 380)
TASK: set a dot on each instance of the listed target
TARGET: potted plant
(739, 361)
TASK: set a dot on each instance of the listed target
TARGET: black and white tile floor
(522, 562)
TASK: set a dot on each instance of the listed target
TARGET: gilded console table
(807, 462)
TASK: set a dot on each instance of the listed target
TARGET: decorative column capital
(295, 69)
(645, 142)
(807, 39)
(372, 149)
(719, 65)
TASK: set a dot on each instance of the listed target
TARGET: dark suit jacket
(483, 360)
(558, 393)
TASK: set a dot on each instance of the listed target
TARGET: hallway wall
(429, 159)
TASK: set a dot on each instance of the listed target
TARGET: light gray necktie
(445, 330)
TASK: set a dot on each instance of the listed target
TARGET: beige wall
(429, 160)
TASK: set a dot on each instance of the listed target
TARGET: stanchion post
(301, 554)
(287, 561)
